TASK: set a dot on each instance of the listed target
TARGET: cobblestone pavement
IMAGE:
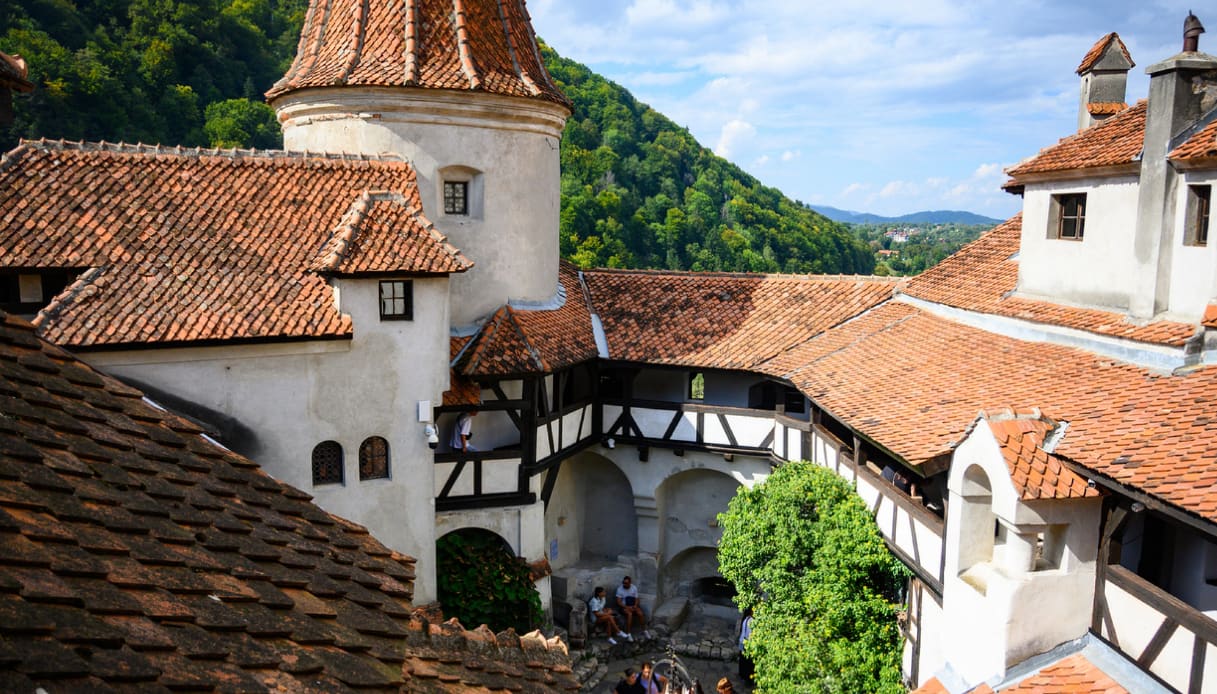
(704, 644)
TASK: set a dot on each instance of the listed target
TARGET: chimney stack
(1104, 73)
(1178, 87)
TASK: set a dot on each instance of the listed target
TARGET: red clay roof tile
(386, 232)
(1072, 675)
(723, 321)
(913, 382)
(1035, 473)
(187, 245)
(1199, 148)
(161, 560)
(1116, 141)
(518, 341)
(467, 45)
(983, 276)
(1100, 47)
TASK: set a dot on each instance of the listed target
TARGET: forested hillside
(637, 190)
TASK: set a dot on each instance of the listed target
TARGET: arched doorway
(481, 581)
(688, 505)
(608, 523)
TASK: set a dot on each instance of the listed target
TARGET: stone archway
(688, 505)
(608, 525)
(482, 581)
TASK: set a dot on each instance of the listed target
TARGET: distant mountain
(926, 217)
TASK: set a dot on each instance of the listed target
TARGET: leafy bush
(804, 553)
(480, 583)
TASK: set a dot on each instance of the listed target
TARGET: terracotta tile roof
(1105, 108)
(138, 553)
(519, 341)
(932, 686)
(1035, 473)
(983, 276)
(190, 245)
(387, 232)
(1210, 316)
(722, 321)
(469, 45)
(1113, 142)
(1099, 48)
(13, 73)
(461, 390)
(912, 382)
(1072, 675)
(1199, 147)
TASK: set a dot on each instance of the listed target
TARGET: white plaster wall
(1193, 268)
(1098, 270)
(729, 388)
(564, 518)
(689, 503)
(994, 612)
(298, 395)
(912, 535)
(932, 629)
(512, 142)
(1135, 625)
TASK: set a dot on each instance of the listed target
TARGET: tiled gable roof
(1072, 675)
(983, 275)
(1100, 47)
(136, 553)
(912, 382)
(13, 73)
(518, 341)
(722, 321)
(191, 245)
(1201, 147)
(1035, 473)
(1116, 141)
(461, 390)
(387, 232)
(468, 45)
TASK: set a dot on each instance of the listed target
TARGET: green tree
(481, 583)
(805, 555)
(242, 123)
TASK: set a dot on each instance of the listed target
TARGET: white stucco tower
(458, 87)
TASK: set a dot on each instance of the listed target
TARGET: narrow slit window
(456, 197)
(396, 300)
(1199, 200)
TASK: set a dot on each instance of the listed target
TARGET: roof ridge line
(511, 51)
(410, 42)
(359, 30)
(462, 47)
(48, 145)
(67, 296)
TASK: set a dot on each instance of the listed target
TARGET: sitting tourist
(627, 602)
(604, 616)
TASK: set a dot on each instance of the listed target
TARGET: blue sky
(890, 106)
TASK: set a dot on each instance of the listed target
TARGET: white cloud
(791, 155)
(761, 160)
(733, 134)
(854, 188)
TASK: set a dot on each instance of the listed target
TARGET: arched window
(373, 458)
(327, 463)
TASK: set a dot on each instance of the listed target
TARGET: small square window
(1068, 216)
(697, 386)
(397, 300)
(1198, 203)
(456, 197)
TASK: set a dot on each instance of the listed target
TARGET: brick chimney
(1104, 73)
(1179, 89)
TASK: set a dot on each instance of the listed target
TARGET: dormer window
(1198, 204)
(1068, 216)
(456, 197)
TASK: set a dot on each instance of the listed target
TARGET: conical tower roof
(467, 45)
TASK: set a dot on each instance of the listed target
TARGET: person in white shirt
(627, 601)
(604, 616)
(463, 431)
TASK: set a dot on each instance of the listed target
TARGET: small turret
(1104, 73)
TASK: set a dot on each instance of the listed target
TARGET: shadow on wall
(609, 522)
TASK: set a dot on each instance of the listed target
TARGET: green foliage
(804, 553)
(144, 70)
(242, 123)
(927, 245)
(480, 583)
(638, 191)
